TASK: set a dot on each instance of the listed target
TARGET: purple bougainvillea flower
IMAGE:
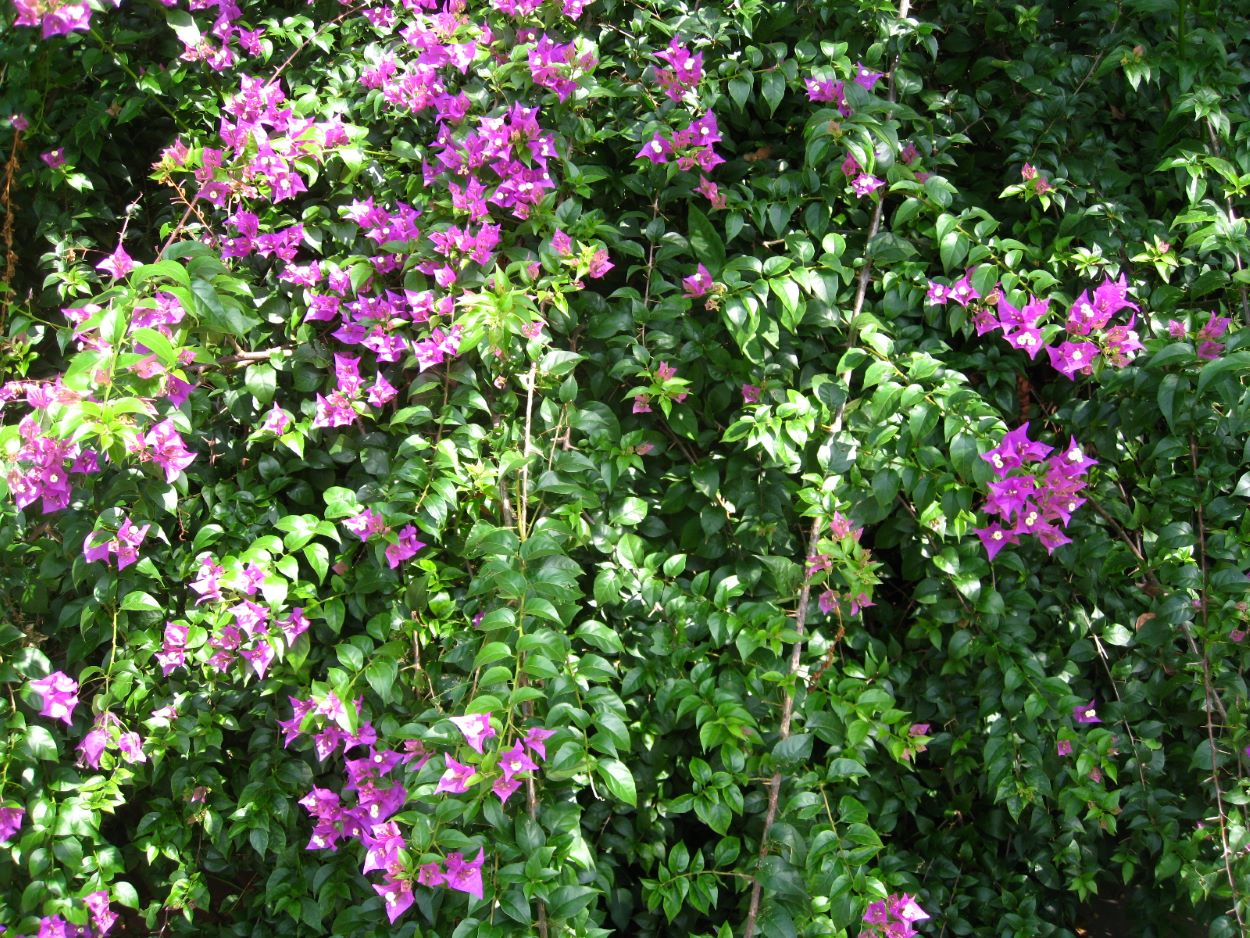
(456, 778)
(1014, 450)
(995, 537)
(396, 897)
(864, 184)
(962, 291)
(164, 446)
(101, 915)
(10, 821)
(92, 747)
(1072, 357)
(406, 547)
(59, 692)
(876, 914)
(657, 150)
(476, 729)
(131, 746)
(938, 293)
(118, 264)
(907, 909)
(465, 876)
(505, 788)
(515, 760)
(866, 78)
(698, 283)
(536, 738)
(1085, 713)
(1064, 747)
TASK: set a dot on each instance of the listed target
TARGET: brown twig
(787, 714)
(10, 256)
(787, 710)
(1212, 698)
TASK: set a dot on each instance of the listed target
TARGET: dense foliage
(634, 466)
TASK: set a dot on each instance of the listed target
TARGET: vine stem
(530, 381)
(800, 619)
(531, 790)
(787, 714)
(6, 233)
(1210, 696)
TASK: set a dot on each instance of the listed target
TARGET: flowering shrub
(512, 467)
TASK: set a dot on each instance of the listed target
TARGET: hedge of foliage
(639, 467)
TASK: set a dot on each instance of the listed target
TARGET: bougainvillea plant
(589, 467)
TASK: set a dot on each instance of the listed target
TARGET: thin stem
(1210, 696)
(530, 381)
(787, 713)
(10, 256)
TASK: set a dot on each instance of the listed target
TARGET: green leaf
(600, 636)
(340, 502)
(138, 601)
(40, 743)
(381, 674)
(492, 652)
(793, 750)
(184, 27)
(261, 382)
(350, 657)
(740, 89)
(1236, 362)
(705, 242)
(774, 90)
(619, 779)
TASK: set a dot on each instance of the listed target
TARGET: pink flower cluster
(242, 627)
(554, 66)
(56, 17)
(693, 146)
(107, 733)
(1208, 337)
(894, 917)
(855, 604)
(368, 523)
(379, 795)
(512, 146)
(828, 91)
(684, 73)
(164, 446)
(1088, 318)
(124, 544)
(39, 472)
(102, 920)
(1027, 502)
(591, 260)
